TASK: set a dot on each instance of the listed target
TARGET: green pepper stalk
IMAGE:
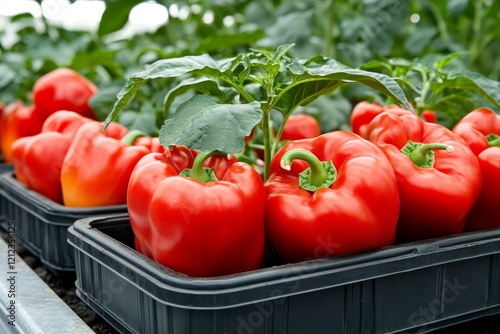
(132, 136)
(493, 140)
(422, 155)
(320, 174)
(199, 172)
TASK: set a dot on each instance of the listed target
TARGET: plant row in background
(352, 32)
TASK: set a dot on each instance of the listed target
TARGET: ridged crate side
(465, 286)
(401, 301)
(28, 227)
(58, 258)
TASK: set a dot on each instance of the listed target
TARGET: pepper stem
(132, 136)
(198, 172)
(320, 174)
(493, 140)
(422, 155)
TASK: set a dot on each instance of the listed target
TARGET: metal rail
(28, 305)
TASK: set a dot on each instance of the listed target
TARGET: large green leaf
(474, 82)
(165, 68)
(115, 16)
(202, 123)
(204, 86)
(321, 76)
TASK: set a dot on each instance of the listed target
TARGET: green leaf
(165, 68)
(476, 83)
(456, 7)
(443, 61)
(7, 75)
(144, 121)
(102, 101)
(200, 85)
(201, 123)
(320, 76)
(416, 43)
(115, 16)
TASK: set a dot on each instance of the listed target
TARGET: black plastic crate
(414, 287)
(5, 166)
(40, 224)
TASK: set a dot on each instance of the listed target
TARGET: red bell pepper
(300, 126)
(476, 126)
(195, 223)
(38, 159)
(178, 158)
(364, 112)
(17, 121)
(63, 89)
(96, 168)
(438, 175)
(430, 116)
(152, 143)
(481, 130)
(345, 202)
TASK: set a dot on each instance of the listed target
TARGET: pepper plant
(225, 99)
(440, 83)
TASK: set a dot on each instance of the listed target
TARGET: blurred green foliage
(353, 32)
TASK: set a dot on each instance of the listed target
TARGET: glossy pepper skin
(199, 228)
(476, 126)
(63, 89)
(481, 129)
(152, 143)
(358, 212)
(300, 126)
(17, 121)
(38, 159)
(364, 112)
(437, 190)
(96, 169)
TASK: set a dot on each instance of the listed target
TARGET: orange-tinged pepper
(17, 121)
(96, 169)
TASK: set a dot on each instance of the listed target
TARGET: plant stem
(266, 133)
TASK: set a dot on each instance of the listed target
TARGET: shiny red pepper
(438, 175)
(345, 202)
(63, 89)
(481, 130)
(17, 121)
(96, 169)
(430, 116)
(300, 126)
(152, 143)
(364, 112)
(193, 223)
(38, 159)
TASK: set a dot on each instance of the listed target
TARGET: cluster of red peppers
(400, 178)
(59, 149)
(452, 187)
(396, 177)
